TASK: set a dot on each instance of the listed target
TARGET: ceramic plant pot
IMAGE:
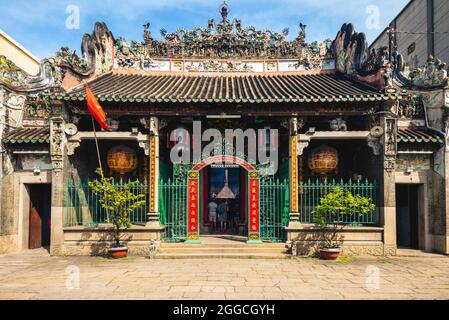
(330, 253)
(118, 252)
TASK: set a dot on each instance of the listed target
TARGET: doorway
(224, 200)
(407, 216)
(39, 215)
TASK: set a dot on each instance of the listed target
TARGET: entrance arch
(193, 198)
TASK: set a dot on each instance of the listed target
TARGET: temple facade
(325, 115)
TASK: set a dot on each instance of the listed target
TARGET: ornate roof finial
(224, 10)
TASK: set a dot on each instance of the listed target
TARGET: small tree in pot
(332, 213)
(119, 202)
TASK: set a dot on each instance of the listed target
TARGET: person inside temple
(212, 208)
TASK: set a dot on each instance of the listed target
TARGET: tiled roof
(28, 135)
(418, 135)
(230, 88)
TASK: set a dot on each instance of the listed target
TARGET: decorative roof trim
(28, 135)
(228, 88)
(419, 135)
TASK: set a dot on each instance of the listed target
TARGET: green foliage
(330, 213)
(118, 200)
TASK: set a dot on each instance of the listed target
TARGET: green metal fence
(274, 209)
(173, 209)
(310, 193)
(83, 207)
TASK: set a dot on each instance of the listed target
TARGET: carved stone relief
(338, 124)
(145, 145)
(390, 138)
(411, 107)
(10, 74)
(56, 143)
(390, 144)
(71, 146)
(389, 163)
(375, 144)
(15, 104)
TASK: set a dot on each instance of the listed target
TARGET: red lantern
(122, 159)
(323, 160)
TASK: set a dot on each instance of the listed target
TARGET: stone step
(231, 255)
(223, 245)
(219, 250)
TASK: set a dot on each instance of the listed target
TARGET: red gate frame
(193, 204)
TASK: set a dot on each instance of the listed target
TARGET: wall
(432, 214)
(356, 240)
(86, 241)
(415, 18)
(15, 209)
(441, 18)
(18, 54)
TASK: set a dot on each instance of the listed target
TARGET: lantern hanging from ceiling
(122, 159)
(323, 160)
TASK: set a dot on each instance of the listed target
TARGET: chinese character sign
(192, 194)
(254, 206)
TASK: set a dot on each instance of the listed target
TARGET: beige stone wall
(9, 218)
(432, 214)
(95, 241)
(15, 208)
(356, 240)
(18, 54)
(8, 244)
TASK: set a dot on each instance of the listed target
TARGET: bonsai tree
(118, 202)
(332, 212)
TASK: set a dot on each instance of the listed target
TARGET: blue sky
(40, 26)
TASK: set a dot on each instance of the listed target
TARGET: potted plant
(332, 213)
(118, 201)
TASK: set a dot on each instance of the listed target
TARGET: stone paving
(36, 275)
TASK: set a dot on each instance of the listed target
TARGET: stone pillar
(446, 183)
(58, 159)
(2, 130)
(153, 179)
(388, 186)
(293, 173)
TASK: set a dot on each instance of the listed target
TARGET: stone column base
(389, 250)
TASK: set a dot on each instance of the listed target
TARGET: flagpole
(96, 144)
(99, 160)
(98, 155)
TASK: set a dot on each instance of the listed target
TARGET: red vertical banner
(193, 207)
(253, 195)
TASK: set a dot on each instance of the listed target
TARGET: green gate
(173, 209)
(274, 209)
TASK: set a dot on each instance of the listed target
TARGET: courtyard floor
(36, 275)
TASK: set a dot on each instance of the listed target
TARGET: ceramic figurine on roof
(350, 49)
(10, 74)
(225, 39)
(433, 74)
(15, 78)
(96, 51)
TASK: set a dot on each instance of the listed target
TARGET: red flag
(95, 109)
